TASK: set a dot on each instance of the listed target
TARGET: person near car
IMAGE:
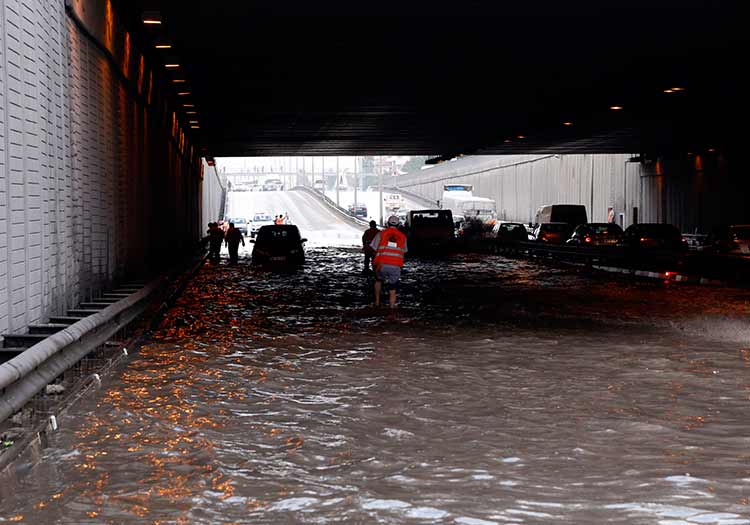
(215, 238)
(390, 248)
(279, 220)
(233, 239)
(367, 238)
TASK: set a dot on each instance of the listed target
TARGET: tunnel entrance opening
(330, 199)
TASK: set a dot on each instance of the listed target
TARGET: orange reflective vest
(391, 248)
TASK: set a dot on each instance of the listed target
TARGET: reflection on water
(500, 392)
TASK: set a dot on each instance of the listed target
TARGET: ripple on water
(501, 391)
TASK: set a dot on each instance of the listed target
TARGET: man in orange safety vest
(390, 247)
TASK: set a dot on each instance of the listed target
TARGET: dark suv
(278, 244)
(653, 237)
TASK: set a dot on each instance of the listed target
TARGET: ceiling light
(151, 18)
(677, 89)
(567, 123)
(669, 91)
(183, 93)
(171, 66)
(163, 46)
(193, 122)
(711, 150)
(178, 80)
(507, 141)
(191, 112)
(188, 105)
(616, 108)
(520, 137)
(195, 126)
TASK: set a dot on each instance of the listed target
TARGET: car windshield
(261, 218)
(741, 233)
(604, 229)
(237, 221)
(284, 235)
(555, 228)
(658, 231)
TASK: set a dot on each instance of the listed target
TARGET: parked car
(278, 244)
(573, 214)
(655, 237)
(358, 210)
(552, 232)
(596, 234)
(510, 232)
(260, 220)
(733, 239)
(240, 223)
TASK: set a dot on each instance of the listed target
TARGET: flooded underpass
(500, 391)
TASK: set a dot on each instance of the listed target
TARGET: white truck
(460, 199)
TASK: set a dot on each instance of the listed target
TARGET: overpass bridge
(500, 390)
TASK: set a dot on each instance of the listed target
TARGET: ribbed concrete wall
(96, 180)
(693, 192)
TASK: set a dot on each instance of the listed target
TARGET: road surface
(320, 225)
(371, 200)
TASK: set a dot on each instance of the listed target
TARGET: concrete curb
(662, 276)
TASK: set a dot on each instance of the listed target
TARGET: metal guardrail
(335, 207)
(27, 374)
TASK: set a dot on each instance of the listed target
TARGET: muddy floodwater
(500, 391)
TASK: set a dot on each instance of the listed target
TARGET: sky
(289, 164)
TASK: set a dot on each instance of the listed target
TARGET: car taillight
(587, 239)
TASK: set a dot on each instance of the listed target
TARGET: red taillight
(587, 239)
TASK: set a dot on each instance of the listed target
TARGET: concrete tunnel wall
(98, 180)
(694, 192)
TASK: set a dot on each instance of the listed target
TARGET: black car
(654, 237)
(510, 232)
(358, 210)
(596, 234)
(278, 244)
(552, 232)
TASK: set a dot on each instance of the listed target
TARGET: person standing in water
(390, 248)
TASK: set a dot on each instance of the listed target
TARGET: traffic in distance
(464, 222)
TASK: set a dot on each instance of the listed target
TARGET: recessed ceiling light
(183, 93)
(163, 46)
(191, 112)
(567, 123)
(677, 89)
(616, 108)
(194, 122)
(520, 137)
(507, 140)
(151, 17)
(178, 80)
(195, 126)
(669, 91)
(171, 66)
(188, 105)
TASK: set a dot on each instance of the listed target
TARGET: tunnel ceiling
(299, 77)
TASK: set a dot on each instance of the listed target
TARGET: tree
(415, 163)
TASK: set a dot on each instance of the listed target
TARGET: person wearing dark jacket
(215, 238)
(233, 239)
(367, 238)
